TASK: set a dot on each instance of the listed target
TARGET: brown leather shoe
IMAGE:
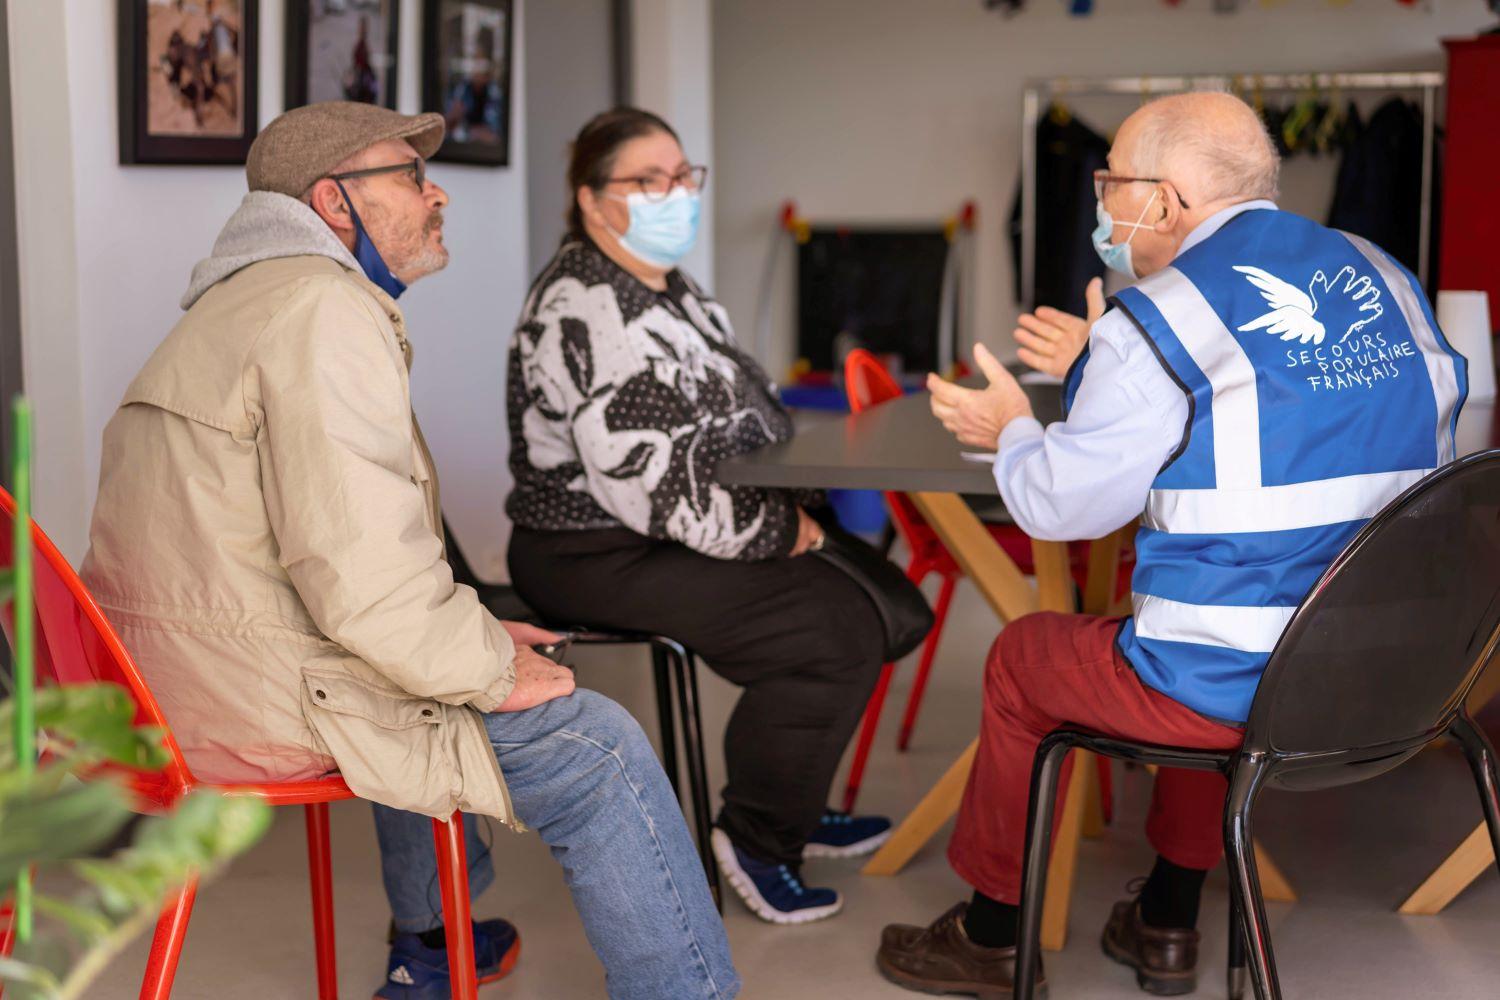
(1165, 959)
(942, 959)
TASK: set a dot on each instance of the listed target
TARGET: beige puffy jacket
(266, 538)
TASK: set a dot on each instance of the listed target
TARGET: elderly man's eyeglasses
(415, 166)
(657, 184)
(1103, 180)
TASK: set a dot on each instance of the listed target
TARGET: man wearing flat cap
(267, 542)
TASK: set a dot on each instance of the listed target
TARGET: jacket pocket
(390, 747)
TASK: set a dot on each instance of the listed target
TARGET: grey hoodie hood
(265, 226)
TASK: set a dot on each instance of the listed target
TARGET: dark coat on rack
(1067, 154)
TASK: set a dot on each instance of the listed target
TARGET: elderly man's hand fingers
(1042, 363)
(1036, 345)
(947, 392)
(1094, 296)
(1038, 326)
(990, 365)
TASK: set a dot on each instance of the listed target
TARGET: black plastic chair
(1375, 665)
(673, 666)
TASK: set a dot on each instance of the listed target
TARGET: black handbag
(903, 610)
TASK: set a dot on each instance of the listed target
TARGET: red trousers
(1047, 670)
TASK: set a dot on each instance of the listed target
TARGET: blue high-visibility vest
(1319, 388)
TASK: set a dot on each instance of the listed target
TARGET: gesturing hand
(977, 416)
(1051, 339)
(538, 681)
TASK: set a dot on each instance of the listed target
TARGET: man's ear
(1170, 210)
(328, 201)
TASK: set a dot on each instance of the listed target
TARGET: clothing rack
(1038, 92)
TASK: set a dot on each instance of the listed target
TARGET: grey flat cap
(305, 144)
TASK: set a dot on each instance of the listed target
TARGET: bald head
(1212, 146)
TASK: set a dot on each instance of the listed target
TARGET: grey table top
(898, 445)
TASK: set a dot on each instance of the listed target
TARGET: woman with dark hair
(626, 389)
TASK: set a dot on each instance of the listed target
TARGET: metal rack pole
(1427, 82)
(1031, 104)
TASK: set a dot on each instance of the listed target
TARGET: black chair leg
(1236, 980)
(1481, 754)
(660, 660)
(1244, 881)
(1046, 768)
(685, 667)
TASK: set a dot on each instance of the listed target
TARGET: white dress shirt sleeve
(1090, 474)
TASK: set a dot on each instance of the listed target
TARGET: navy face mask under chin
(369, 258)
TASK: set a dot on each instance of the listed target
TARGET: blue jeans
(582, 775)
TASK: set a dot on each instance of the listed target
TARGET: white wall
(898, 111)
(106, 253)
(672, 75)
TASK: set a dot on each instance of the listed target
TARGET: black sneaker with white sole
(840, 835)
(774, 893)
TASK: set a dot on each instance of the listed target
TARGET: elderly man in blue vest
(1264, 388)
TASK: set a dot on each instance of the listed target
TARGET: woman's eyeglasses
(417, 168)
(657, 184)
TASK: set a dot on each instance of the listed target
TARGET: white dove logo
(1293, 311)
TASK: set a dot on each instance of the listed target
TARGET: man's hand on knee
(538, 680)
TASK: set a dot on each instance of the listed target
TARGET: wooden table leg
(1476, 854)
(1002, 584)
(923, 822)
(1472, 859)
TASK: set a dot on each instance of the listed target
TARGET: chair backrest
(1384, 649)
(867, 381)
(75, 644)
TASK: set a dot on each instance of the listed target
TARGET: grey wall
(570, 76)
(10, 313)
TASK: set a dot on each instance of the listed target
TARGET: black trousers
(800, 637)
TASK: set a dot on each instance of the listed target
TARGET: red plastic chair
(868, 384)
(77, 645)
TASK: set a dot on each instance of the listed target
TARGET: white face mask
(1116, 256)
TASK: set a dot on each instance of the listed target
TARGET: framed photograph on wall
(466, 52)
(187, 80)
(341, 50)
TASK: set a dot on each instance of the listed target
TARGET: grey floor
(1352, 854)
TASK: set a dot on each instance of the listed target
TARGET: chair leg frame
(1245, 782)
(1481, 755)
(684, 666)
(453, 880)
(662, 673)
(320, 881)
(166, 943)
(1248, 928)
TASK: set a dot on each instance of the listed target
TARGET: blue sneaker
(417, 972)
(774, 893)
(840, 835)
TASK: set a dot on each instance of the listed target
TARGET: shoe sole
(945, 987)
(729, 866)
(857, 849)
(507, 966)
(1157, 984)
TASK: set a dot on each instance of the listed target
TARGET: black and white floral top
(622, 401)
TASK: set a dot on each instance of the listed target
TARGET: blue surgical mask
(369, 258)
(1116, 256)
(661, 232)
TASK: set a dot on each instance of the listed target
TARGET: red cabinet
(1471, 170)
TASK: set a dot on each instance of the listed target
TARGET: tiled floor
(1352, 854)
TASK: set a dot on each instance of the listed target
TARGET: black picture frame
(472, 138)
(298, 75)
(142, 77)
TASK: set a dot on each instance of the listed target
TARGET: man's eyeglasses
(415, 165)
(1103, 179)
(658, 184)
